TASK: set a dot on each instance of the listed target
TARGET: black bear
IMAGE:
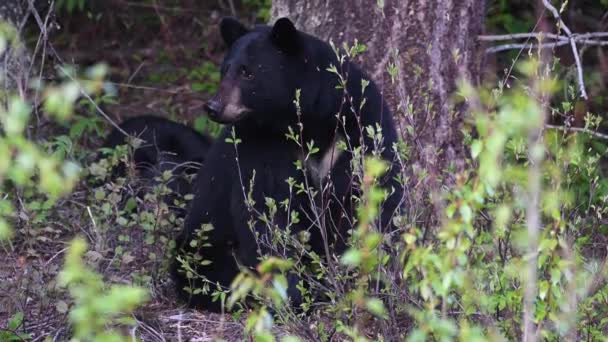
(167, 146)
(262, 72)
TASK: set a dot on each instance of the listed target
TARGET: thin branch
(518, 46)
(86, 95)
(42, 26)
(524, 46)
(507, 75)
(562, 25)
(579, 130)
(590, 35)
(558, 40)
(557, 17)
(579, 69)
(498, 37)
(165, 8)
(232, 8)
(514, 36)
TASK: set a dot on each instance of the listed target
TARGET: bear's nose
(212, 107)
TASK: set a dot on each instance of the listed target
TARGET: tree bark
(14, 59)
(428, 44)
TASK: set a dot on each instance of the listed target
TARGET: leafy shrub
(10, 333)
(36, 175)
(513, 248)
(96, 308)
(24, 164)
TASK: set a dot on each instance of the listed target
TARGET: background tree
(13, 59)
(416, 50)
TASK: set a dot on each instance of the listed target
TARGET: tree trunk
(428, 45)
(14, 60)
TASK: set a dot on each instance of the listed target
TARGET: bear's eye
(245, 73)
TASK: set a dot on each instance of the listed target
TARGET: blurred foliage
(261, 8)
(71, 6)
(95, 307)
(36, 180)
(11, 332)
(510, 16)
(23, 163)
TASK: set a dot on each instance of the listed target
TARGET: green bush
(514, 246)
(36, 175)
(96, 309)
(26, 165)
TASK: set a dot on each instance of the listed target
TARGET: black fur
(168, 146)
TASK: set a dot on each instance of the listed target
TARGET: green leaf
(15, 322)
(352, 257)
(466, 213)
(543, 289)
(375, 167)
(417, 335)
(264, 337)
(376, 307)
(476, 147)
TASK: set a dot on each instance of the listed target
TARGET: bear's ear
(285, 36)
(231, 30)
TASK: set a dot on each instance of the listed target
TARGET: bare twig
(514, 36)
(562, 25)
(578, 129)
(528, 35)
(524, 46)
(232, 8)
(508, 73)
(555, 40)
(54, 256)
(88, 97)
(42, 26)
(140, 87)
(135, 72)
(517, 46)
(42, 42)
(172, 9)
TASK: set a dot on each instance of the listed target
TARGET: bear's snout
(213, 108)
(226, 106)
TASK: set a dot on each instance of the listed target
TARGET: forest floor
(163, 60)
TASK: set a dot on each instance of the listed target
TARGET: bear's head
(261, 72)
